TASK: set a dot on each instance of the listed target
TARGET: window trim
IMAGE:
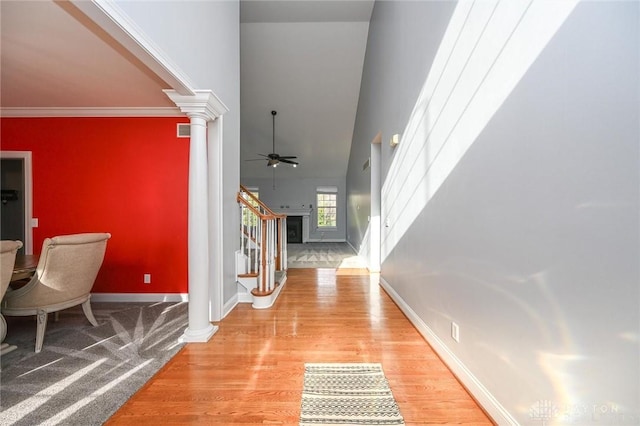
(328, 190)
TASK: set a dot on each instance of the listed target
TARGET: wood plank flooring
(251, 371)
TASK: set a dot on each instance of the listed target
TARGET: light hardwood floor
(251, 371)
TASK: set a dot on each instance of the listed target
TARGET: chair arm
(11, 294)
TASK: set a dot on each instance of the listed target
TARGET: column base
(198, 336)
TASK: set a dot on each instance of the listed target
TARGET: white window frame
(256, 192)
(326, 190)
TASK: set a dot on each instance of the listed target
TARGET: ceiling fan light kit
(274, 158)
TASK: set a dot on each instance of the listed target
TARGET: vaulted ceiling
(304, 60)
(301, 58)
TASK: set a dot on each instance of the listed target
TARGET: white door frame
(25, 156)
(374, 215)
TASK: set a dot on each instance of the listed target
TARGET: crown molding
(91, 112)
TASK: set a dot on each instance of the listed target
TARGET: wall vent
(184, 130)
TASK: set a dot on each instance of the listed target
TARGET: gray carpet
(323, 255)
(85, 373)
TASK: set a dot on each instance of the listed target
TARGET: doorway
(16, 198)
(376, 204)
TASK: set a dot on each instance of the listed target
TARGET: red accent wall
(126, 176)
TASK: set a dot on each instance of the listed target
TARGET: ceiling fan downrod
(273, 128)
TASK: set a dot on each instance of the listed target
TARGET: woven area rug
(323, 255)
(347, 394)
(83, 373)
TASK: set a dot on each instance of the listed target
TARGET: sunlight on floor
(61, 416)
(42, 397)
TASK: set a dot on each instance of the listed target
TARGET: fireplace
(294, 229)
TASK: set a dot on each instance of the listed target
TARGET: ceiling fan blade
(288, 161)
(290, 157)
(256, 159)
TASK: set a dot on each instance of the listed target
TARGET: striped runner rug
(347, 394)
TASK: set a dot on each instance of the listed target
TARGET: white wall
(531, 244)
(396, 64)
(297, 193)
(203, 39)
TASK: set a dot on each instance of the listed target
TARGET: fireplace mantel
(293, 212)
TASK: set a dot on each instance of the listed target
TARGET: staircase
(261, 262)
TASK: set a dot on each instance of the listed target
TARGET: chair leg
(3, 328)
(86, 307)
(42, 326)
(5, 348)
(56, 316)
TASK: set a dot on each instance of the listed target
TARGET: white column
(201, 107)
(200, 329)
(216, 223)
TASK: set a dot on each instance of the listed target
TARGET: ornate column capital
(203, 103)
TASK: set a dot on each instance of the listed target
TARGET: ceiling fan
(274, 159)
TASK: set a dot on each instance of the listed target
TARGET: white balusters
(283, 244)
(263, 240)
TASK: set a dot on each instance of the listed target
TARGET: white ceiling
(302, 58)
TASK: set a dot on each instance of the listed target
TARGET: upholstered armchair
(8, 251)
(65, 274)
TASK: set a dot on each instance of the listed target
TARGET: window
(327, 206)
(248, 218)
(256, 193)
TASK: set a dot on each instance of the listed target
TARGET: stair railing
(281, 231)
(262, 241)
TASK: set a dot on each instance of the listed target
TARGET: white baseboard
(490, 404)
(139, 297)
(229, 305)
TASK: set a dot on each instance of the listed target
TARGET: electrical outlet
(147, 278)
(455, 332)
